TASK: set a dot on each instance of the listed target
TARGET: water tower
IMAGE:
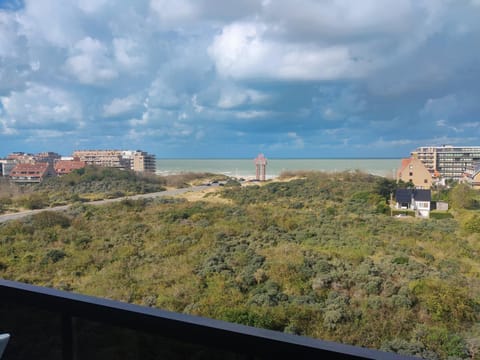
(261, 167)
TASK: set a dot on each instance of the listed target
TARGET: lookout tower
(261, 167)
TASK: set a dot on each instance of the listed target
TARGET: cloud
(92, 6)
(50, 22)
(289, 141)
(233, 96)
(9, 46)
(174, 12)
(90, 62)
(243, 50)
(120, 106)
(307, 75)
(252, 114)
(128, 53)
(40, 107)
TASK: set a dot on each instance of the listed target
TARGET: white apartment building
(136, 160)
(447, 161)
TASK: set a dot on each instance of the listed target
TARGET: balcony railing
(46, 323)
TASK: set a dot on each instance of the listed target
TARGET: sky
(230, 79)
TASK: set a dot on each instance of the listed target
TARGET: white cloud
(92, 6)
(40, 107)
(120, 106)
(251, 114)
(243, 50)
(234, 96)
(128, 53)
(297, 141)
(290, 140)
(90, 63)
(8, 36)
(197, 107)
(174, 12)
(51, 21)
(162, 95)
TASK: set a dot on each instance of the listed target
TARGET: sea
(245, 168)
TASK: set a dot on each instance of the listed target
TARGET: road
(21, 214)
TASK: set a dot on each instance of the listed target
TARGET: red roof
(30, 171)
(405, 163)
(67, 166)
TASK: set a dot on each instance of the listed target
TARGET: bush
(53, 256)
(34, 201)
(472, 225)
(440, 215)
(46, 219)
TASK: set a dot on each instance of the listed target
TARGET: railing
(46, 323)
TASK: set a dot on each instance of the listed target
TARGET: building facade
(48, 157)
(448, 162)
(104, 158)
(6, 165)
(413, 170)
(141, 161)
(137, 160)
(31, 173)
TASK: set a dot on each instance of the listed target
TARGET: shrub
(46, 219)
(440, 215)
(53, 256)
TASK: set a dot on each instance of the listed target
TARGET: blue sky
(217, 78)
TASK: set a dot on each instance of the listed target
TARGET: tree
(384, 187)
(462, 196)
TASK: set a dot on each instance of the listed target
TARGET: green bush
(53, 256)
(46, 219)
(440, 215)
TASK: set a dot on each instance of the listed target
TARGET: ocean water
(246, 167)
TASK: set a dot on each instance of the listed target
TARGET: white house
(414, 199)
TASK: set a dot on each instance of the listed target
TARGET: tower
(261, 167)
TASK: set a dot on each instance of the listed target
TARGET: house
(31, 173)
(63, 167)
(414, 199)
(413, 170)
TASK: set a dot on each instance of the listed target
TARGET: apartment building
(21, 157)
(105, 158)
(136, 160)
(47, 156)
(31, 173)
(6, 165)
(446, 161)
(141, 161)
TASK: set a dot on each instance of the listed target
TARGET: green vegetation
(317, 256)
(90, 184)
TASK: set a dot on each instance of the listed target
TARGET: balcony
(50, 324)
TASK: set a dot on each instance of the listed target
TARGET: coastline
(245, 168)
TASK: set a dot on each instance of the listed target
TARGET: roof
(405, 163)
(38, 167)
(406, 195)
(66, 166)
